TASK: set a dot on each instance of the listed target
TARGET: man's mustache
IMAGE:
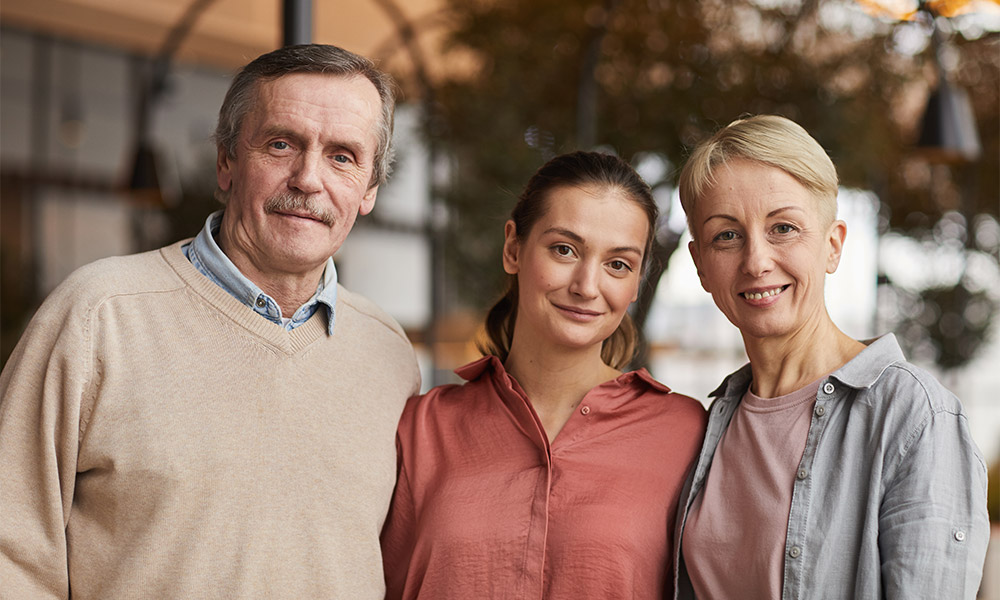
(300, 203)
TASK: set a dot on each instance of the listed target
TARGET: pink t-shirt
(734, 540)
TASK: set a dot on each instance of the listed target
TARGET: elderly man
(216, 419)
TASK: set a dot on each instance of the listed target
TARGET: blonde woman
(831, 468)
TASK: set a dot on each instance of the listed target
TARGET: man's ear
(223, 170)
(511, 248)
(696, 257)
(368, 201)
(835, 239)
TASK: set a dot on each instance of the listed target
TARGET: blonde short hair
(767, 139)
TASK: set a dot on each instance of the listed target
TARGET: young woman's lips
(578, 314)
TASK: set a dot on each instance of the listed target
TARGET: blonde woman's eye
(784, 228)
(726, 236)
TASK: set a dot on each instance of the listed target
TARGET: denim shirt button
(802, 474)
(827, 388)
(794, 552)
(960, 536)
(261, 302)
(820, 410)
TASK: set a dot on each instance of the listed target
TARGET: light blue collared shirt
(205, 254)
(889, 498)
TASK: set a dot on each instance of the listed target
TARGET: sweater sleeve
(42, 389)
(933, 525)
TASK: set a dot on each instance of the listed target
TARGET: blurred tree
(648, 79)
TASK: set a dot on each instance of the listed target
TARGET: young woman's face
(579, 267)
(763, 249)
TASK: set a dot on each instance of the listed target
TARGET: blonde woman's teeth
(762, 295)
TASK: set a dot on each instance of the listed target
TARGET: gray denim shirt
(889, 499)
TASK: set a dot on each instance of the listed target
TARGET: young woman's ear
(511, 248)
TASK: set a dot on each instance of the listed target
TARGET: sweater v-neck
(271, 334)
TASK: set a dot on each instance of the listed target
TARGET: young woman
(831, 468)
(549, 473)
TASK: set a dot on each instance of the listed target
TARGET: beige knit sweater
(159, 439)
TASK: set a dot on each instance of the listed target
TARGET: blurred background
(107, 108)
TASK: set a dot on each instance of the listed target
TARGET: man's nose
(305, 174)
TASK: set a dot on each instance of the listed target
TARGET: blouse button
(827, 388)
(585, 410)
(794, 552)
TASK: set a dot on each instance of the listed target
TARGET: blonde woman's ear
(838, 233)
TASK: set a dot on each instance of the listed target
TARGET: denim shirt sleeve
(933, 525)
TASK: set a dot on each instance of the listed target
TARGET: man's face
(301, 173)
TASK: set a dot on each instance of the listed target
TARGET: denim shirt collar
(865, 369)
(860, 372)
(205, 254)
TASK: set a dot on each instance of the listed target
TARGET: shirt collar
(864, 369)
(860, 372)
(491, 363)
(206, 255)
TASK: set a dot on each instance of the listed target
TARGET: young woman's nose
(585, 277)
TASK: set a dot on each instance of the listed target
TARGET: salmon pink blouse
(486, 507)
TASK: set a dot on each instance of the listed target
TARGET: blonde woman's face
(763, 248)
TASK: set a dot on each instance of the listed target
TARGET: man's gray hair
(307, 58)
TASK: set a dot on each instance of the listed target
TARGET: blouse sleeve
(398, 533)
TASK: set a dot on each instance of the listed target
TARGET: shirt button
(794, 552)
(803, 473)
(960, 536)
(827, 388)
(820, 410)
(585, 410)
(261, 302)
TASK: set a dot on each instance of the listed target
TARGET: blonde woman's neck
(782, 365)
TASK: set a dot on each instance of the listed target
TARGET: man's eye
(279, 145)
(341, 158)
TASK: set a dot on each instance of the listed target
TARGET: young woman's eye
(620, 266)
(562, 250)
